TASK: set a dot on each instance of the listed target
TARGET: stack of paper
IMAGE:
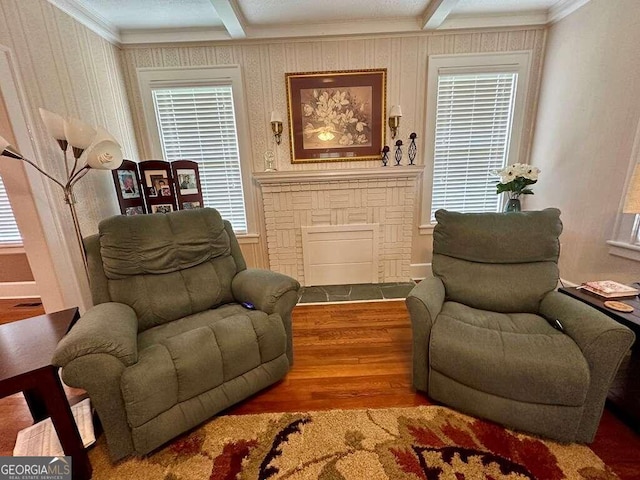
(41, 439)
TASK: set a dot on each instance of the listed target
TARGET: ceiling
(150, 21)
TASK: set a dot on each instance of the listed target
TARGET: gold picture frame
(336, 116)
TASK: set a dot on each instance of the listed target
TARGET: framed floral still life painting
(336, 116)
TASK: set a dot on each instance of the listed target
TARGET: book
(610, 289)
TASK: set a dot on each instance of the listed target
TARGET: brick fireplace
(382, 198)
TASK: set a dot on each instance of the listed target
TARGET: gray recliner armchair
(481, 340)
(168, 343)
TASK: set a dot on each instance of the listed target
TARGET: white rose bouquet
(515, 179)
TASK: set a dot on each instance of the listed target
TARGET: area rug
(400, 444)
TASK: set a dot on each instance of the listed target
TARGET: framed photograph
(187, 182)
(128, 184)
(134, 211)
(336, 116)
(190, 205)
(157, 183)
(163, 208)
(129, 189)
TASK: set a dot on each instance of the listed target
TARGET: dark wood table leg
(50, 389)
(37, 405)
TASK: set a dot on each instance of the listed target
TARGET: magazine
(610, 289)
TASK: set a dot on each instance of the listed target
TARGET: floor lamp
(90, 149)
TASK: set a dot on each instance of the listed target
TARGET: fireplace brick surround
(384, 196)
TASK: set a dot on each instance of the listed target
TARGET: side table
(624, 396)
(26, 349)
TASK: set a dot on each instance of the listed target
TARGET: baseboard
(420, 271)
(19, 290)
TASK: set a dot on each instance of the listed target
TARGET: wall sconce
(276, 126)
(394, 119)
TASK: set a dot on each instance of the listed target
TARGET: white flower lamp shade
(105, 155)
(8, 150)
(632, 200)
(54, 124)
(79, 134)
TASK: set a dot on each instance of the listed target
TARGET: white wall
(66, 68)
(588, 111)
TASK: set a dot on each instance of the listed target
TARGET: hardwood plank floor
(346, 356)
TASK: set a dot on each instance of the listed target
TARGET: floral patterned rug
(430, 443)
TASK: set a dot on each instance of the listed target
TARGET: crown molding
(107, 30)
(564, 8)
(456, 22)
(386, 25)
(173, 35)
(90, 19)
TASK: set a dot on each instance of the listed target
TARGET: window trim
(519, 62)
(150, 78)
(621, 245)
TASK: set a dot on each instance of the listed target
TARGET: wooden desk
(624, 396)
(26, 349)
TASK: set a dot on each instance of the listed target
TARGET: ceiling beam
(437, 12)
(231, 17)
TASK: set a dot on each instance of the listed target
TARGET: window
(626, 233)
(9, 233)
(198, 123)
(198, 114)
(474, 121)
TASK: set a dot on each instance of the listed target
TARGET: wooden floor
(347, 356)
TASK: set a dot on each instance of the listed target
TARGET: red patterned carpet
(430, 443)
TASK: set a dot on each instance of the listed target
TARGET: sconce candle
(276, 126)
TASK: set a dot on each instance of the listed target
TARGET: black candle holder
(385, 155)
(398, 152)
(413, 149)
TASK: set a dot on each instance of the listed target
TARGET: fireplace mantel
(313, 176)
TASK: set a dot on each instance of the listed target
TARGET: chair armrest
(603, 342)
(590, 329)
(424, 303)
(264, 289)
(108, 328)
(427, 297)
(270, 292)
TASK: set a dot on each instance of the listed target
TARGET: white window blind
(198, 123)
(474, 115)
(9, 233)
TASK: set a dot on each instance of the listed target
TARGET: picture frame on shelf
(336, 116)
